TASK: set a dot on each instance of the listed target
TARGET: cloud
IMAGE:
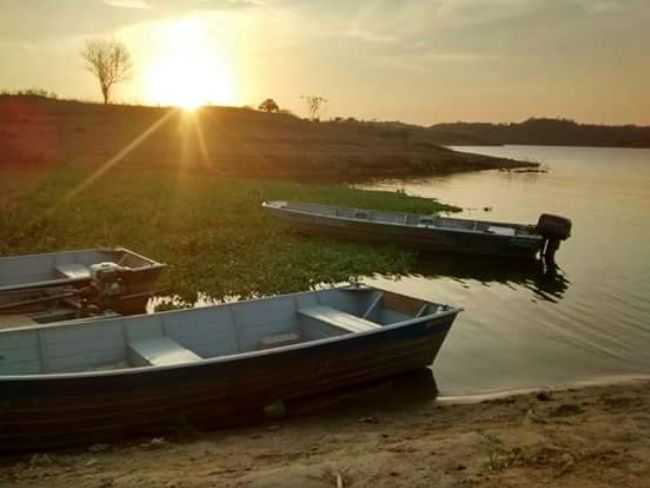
(465, 28)
(127, 3)
(605, 6)
(60, 19)
(510, 38)
(369, 36)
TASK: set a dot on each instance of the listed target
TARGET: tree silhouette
(315, 105)
(109, 61)
(269, 105)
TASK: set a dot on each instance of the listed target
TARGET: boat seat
(502, 231)
(73, 271)
(339, 319)
(160, 351)
(278, 340)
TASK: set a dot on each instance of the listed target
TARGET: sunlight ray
(200, 136)
(115, 159)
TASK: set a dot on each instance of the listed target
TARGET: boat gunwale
(94, 249)
(152, 265)
(450, 311)
(528, 236)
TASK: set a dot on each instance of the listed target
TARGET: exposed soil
(591, 437)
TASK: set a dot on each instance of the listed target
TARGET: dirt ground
(590, 437)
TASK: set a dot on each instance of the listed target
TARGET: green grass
(211, 230)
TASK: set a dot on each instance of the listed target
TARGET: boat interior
(46, 313)
(186, 336)
(411, 219)
(36, 269)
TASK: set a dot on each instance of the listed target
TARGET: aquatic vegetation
(210, 229)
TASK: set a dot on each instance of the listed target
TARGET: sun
(188, 72)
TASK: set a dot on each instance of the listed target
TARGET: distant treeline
(30, 92)
(541, 131)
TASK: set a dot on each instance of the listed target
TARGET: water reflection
(526, 326)
(163, 303)
(546, 281)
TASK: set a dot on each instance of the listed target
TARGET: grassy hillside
(231, 141)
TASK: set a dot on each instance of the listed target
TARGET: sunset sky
(422, 61)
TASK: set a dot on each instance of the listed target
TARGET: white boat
(83, 381)
(117, 278)
(431, 233)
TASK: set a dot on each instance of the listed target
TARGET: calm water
(523, 327)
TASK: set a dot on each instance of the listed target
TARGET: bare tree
(109, 61)
(315, 105)
(269, 105)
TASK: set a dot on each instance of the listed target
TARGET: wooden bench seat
(278, 340)
(73, 271)
(339, 319)
(160, 351)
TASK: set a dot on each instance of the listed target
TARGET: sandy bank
(389, 436)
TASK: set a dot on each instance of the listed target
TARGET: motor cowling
(554, 227)
(104, 271)
(107, 279)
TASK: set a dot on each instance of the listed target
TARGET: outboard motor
(554, 229)
(104, 290)
(107, 279)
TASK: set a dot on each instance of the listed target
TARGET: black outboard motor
(554, 229)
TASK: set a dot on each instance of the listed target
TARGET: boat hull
(23, 278)
(421, 238)
(39, 413)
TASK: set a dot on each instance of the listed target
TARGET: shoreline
(577, 437)
(603, 381)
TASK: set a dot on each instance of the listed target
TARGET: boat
(116, 278)
(46, 309)
(85, 381)
(432, 233)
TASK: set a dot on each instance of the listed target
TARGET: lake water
(524, 327)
